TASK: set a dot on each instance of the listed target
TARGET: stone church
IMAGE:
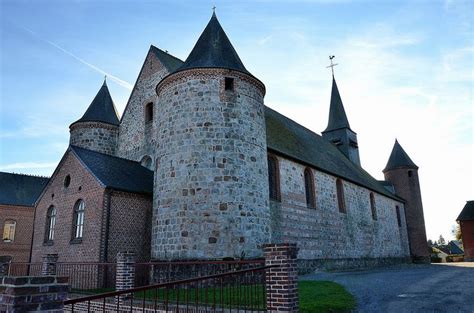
(198, 167)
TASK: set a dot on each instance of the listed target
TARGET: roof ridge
(108, 155)
(165, 51)
(27, 175)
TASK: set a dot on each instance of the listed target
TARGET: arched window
(149, 112)
(50, 224)
(78, 220)
(309, 188)
(372, 206)
(147, 162)
(9, 231)
(399, 218)
(341, 202)
(273, 178)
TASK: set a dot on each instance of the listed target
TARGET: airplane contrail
(119, 81)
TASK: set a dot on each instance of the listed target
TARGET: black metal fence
(235, 291)
(82, 276)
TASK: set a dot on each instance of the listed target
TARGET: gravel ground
(434, 288)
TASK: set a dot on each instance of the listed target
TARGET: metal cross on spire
(332, 64)
(214, 9)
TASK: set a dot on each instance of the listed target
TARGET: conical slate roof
(399, 158)
(102, 108)
(337, 114)
(213, 50)
(467, 213)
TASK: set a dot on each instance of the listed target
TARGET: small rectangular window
(149, 112)
(9, 231)
(399, 218)
(229, 83)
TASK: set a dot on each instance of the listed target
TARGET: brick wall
(324, 233)
(33, 294)
(130, 225)
(408, 188)
(82, 186)
(19, 248)
(467, 230)
(135, 138)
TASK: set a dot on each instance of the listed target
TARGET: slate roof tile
(20, 189)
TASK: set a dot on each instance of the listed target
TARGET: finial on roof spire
(332, 65)
(214, 10)
(105, 80)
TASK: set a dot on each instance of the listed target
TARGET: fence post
(49, 265)
(125, 275)
(282, 280)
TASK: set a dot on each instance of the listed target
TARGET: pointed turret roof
(102, 108)
(399, 158)
(213, 50)
(337, 114)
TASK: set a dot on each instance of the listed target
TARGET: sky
(405, 70)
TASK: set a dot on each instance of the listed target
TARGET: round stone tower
(211, 188)
(97, 129)
(402, 172)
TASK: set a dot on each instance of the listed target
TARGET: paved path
(434, 288)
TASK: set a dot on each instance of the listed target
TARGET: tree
(430, 243)
(457, 232)
(441, 240)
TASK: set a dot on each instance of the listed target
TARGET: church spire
(337, 114)
(338, 130)
(213, 50)
(399, 159)
(102, 108)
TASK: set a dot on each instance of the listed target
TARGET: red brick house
(466, 221)
(94, 206)
(18, 195)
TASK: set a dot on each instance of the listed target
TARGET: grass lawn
(315, 296)
(324, 296)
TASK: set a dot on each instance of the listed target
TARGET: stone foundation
(309, 266)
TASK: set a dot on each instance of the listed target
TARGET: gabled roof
(337, 114)
(169, 61)
(295, 141)
(399, 159)
(116, 173)
(213, 50)
(467, 213)
(102, 109)
(20, 189)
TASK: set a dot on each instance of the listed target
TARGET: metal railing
(82, 276)
(235, 291)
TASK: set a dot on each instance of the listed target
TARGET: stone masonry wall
(19, 248)
(211, 187)
(82, 186)
(130, 225)
(94, 136)
(137, 138)
(324, 232)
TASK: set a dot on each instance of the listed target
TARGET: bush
(455, 258)
(436, 259)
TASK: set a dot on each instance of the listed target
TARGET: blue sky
(405, 71)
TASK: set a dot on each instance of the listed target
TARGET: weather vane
(214, 9)
(332, 65)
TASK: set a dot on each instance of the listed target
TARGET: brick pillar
(282, 280)
(33, 293)
(125, 275)
(48, 267)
